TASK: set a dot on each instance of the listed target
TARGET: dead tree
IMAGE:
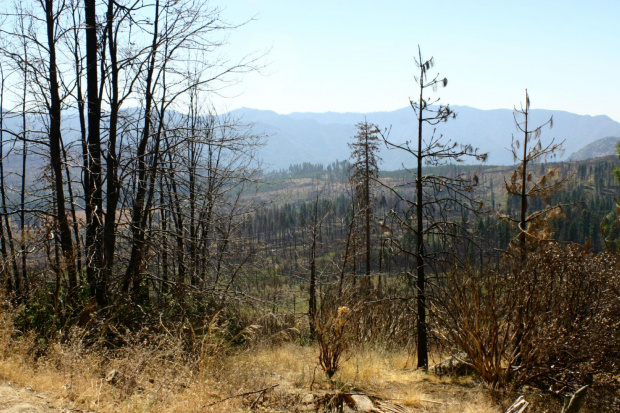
(318, 216)
(364, 173)
(93, 193)
(6, 235)
(55, 136)
(430, 212)
(523, 184)
(533, 226)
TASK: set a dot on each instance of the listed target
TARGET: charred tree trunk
(73, 282)
(312, 306)
(113, 185)
(93, 190)
(421, 276)
(11, 287)
(66, 243)
(132, 274)
(22, 205)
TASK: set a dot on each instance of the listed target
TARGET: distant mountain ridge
(597, 149)
(323, 137)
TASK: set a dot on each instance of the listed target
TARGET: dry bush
(553, 320)
(474, 316)
(15, 343)
(361, 317)
(386, 320)
(172, 357)
(333, 337)
(74, 360)
(149, 360)
(383, 318)
(7, 331)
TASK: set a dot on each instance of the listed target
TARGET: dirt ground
(17, 400)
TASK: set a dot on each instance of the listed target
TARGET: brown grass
(157, 376)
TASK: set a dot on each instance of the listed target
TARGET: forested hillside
(588, 197)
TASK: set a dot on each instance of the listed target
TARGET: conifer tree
(364, 173)
(525, 186)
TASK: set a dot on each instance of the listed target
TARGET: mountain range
(323, 137)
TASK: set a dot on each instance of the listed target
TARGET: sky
(357, 56)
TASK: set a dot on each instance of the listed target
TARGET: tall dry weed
(333, 337)
(216, 340)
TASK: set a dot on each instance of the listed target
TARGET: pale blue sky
(357, 56)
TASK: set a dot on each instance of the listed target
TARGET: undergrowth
(208, 369)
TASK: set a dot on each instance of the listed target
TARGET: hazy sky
(357, 56)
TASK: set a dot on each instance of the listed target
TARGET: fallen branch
(576, 402)
(519, 406)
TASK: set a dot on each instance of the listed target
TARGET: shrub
(552, 321)
(332, 337)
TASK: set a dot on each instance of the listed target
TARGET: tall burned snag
(93, 168)
(54, 108)
(6, 235)
(431, 213)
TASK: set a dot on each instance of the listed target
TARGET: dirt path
(18, 400)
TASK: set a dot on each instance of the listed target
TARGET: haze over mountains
(323, 137)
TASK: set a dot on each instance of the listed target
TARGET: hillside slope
(597, 149)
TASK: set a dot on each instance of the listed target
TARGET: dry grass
(389, 374)
(381, 373)
(158, 377)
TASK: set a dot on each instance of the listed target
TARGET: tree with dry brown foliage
(533, 226)
(523, 184)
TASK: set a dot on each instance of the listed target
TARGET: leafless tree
(101, 59)
(429, 214)
(9, 264)
(318, 216)
(207, 169)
